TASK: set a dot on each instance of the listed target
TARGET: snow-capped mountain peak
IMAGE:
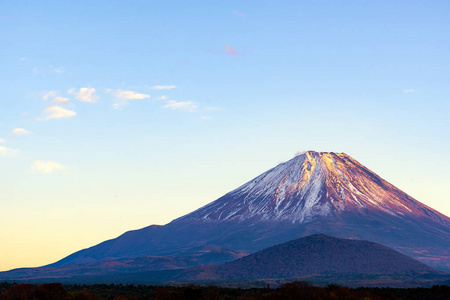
(310, 185)
(315, 192)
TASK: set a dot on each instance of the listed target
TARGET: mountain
(314, 185)
(319, 259)
(316, 255)
(315, 192)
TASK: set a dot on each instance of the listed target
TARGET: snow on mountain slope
(311, 185)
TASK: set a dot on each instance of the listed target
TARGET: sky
(115, 115)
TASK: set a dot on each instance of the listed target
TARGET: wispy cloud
(7, 152)
(85, 94)
(46, 166)
(127, 95)
(23, 58)
(409, 91)
(181, 105)
(162, 98)
(2, 140)
(56, 112)
(53, 96)
(59, 70)
(205, 118)
(163, 87)
(49, 94)
(231, 51)
(19, 131)
(235, 12)
(61, 100)
(124, 97)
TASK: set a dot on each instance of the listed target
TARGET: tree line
(288, 291)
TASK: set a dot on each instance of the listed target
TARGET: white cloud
(50, 94)
(53, 94)
(85, 94)
(7, 152)
(56, 112)
(181, 105)
(162, 98)
(23, 58)
(127, 95)
(163, 87)
(19, 131)
(46, 166)
(409, 91)
(123, 97)
(298, 153)
(2, 140)
(205, 118)
(61, 100)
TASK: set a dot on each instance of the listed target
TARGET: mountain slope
(315, 192)
(314, 255)
(312, 185)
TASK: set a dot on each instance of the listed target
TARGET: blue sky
(137, 112)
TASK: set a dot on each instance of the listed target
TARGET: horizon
(116, 116)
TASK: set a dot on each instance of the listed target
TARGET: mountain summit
(312, 185)
(313, 193)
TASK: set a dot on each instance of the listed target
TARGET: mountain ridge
(314, 255)
(318, 180)
(319, 258)
(369, 208)
(315, 192)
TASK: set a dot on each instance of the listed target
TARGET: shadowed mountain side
(314, 255)
(99, 269)
(315, 192)
(320, 259)
(113, 267)
(184, 238)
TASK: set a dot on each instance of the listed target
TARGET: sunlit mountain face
(313, 185)
(313, 193)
